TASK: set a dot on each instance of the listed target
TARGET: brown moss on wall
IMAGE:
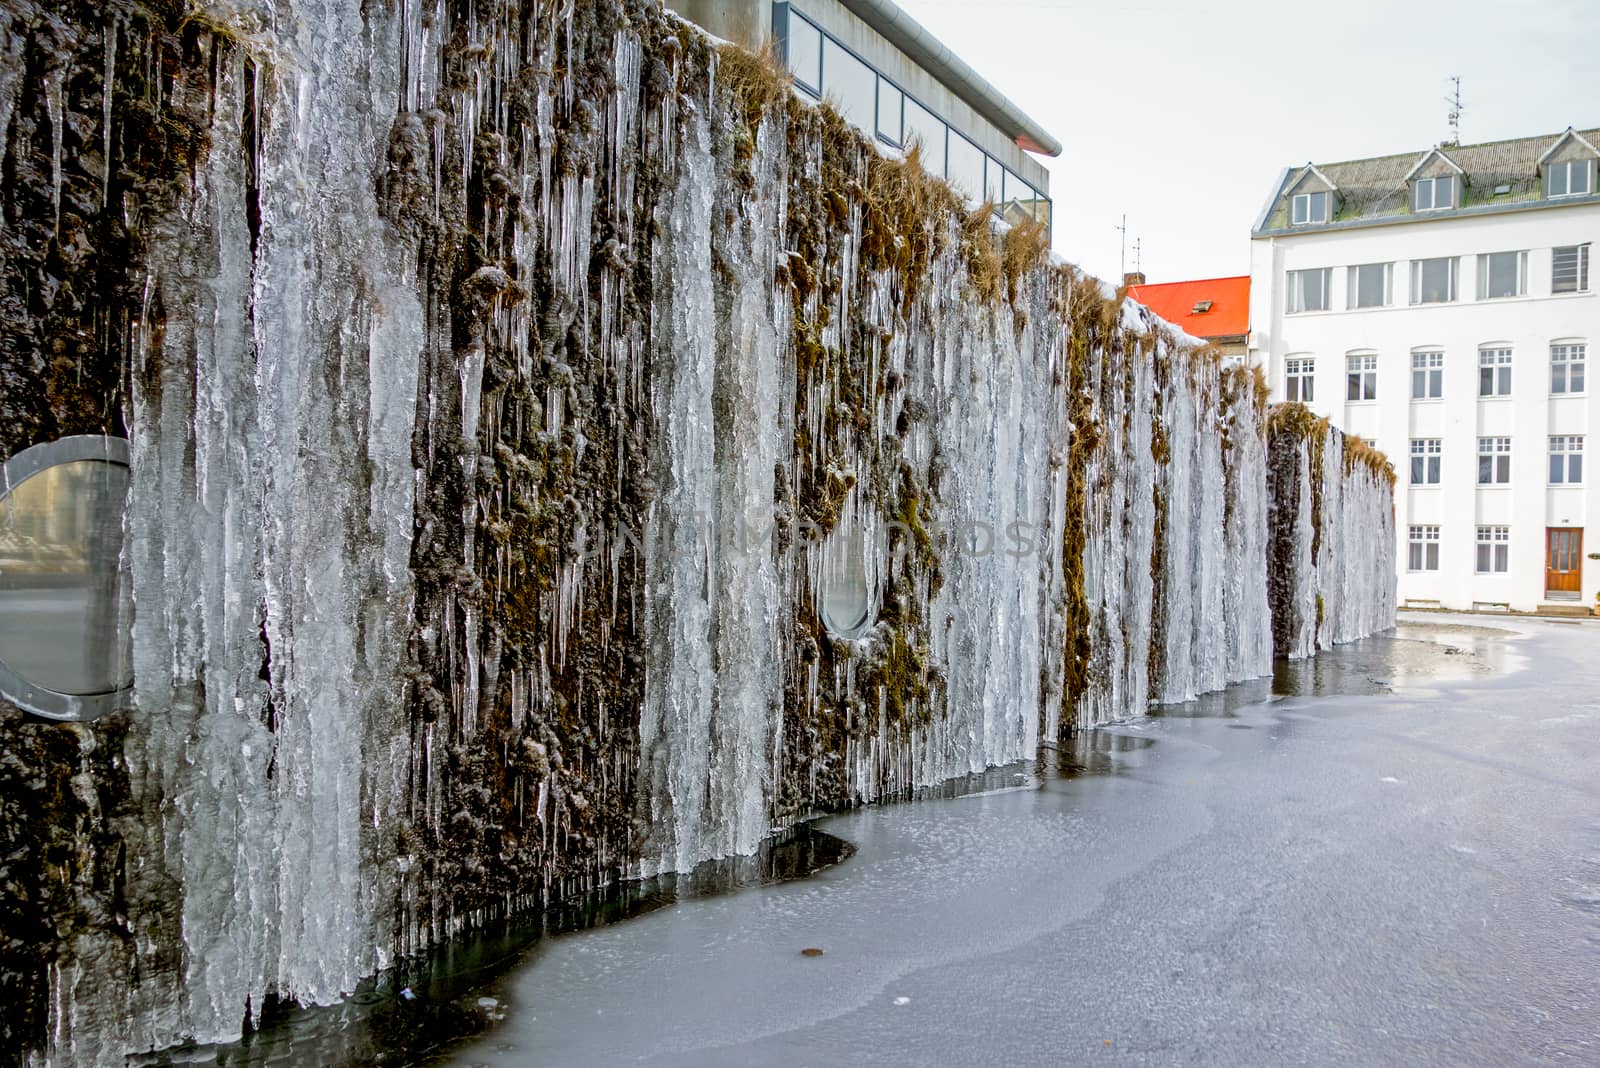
(90, 164)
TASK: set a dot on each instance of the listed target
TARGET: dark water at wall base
(407, 1015)
(450, 992)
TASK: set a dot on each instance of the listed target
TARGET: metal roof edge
(923, 48)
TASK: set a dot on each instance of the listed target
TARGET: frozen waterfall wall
(511, 388)
(1333, 537)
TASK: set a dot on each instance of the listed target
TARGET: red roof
(1176, 302)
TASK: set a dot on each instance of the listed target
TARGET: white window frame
(1494, 371)
(1427, 367)
(1296, 303)
(1569, 360)
(1422, 542)
(1453, 279)
(1361, 376)
(1566, 460)
(1494, 551)
(1353, 275)
(1484, 261)
(1305, 201)
(1432, 186)
(1579, 283)
(1427, 461)
(1299, 379)
(1497, 451)
(1566, 168)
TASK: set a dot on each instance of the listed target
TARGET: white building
(1441, 305)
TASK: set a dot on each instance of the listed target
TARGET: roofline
(1311, 168)
(1435, 216)
(928, 52)
(1272, 200)
(1476, 144)
(1436, 150)
(1561, 139)
(1191, 281)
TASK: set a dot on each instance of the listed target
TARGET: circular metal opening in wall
(65, 606)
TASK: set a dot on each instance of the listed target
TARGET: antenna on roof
(1123, 229)
(1456, 108)
(1138, 259)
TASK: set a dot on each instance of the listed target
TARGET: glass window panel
(890, 105)
(1500, 274)
(850, 84)
(966, 166)
(1433, 281)
(805, 53)
(1371, 285)
(923, 127)
(992, 177)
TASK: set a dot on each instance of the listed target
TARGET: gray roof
(1374, 191)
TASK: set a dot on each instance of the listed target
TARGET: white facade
(1449, 428)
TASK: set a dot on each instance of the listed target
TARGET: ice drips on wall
(1332, 559)
(499, 378)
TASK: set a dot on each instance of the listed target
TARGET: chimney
(1133, 278)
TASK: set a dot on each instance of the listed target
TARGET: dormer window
(1433, 194)
(1572, 178)
(1308, 209)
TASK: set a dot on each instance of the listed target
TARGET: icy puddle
(1376, 861)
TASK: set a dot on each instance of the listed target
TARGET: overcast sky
(1182, 112)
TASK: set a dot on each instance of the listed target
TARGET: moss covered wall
(434, 331)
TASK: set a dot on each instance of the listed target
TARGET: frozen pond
(1387, 855)
(1398, 878)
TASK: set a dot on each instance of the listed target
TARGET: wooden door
(1564, 561)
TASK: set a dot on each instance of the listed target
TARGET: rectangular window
(1426, 456)
(1494, 372)
(1494, 550)
(850, 84)
(1427, 375)
(1569, 269)
(1424, 543)
(1370, 285)
(1308, 208)
(1308, 290)
(1502, 274)
(1433, 281)
(891, 111)
(1361, 378)
(1433, 194)
(1494, 461)
(1567, 366)
(1566, 460)
(1573, 178)
(805, 54)
(1299, 379)
(966, 166)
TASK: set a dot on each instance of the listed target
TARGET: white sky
(1181, 113)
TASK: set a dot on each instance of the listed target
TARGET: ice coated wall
(505, 382)
(1333, 575)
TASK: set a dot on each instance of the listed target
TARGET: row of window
(1436, 281)
(1568, 373)
(1494, 550)
(1494, 461)
(825, 68)
(1569, 178)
